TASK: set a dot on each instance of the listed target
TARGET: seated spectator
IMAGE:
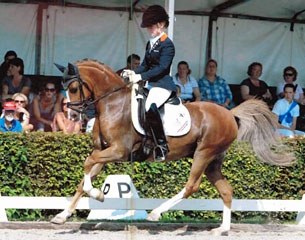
(22, 114)
(287, 111)
(89, 112)
(290, 76)
(5, 65)
(8, 123)
(44, 108)
(253, 87)
(214, 88)
(187, 84)
(15, 82)
(63, 123)
(133, 61)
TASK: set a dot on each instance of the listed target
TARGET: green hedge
(51, 164)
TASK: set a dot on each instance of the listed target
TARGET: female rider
(155, 69)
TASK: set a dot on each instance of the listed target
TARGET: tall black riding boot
(155, 126)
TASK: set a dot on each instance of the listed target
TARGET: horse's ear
(72, 69)
(60, 67)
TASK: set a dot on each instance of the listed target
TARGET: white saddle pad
(176, 118)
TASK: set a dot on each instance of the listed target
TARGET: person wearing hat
(155, 70)
(8, 123)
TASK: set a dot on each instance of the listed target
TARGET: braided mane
(87, 62)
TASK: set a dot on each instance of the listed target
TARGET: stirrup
(160, 152)
(142, 153)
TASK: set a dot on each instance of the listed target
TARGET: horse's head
(88, 81)
(78, 92)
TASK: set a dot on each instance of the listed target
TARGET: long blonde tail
(257, 125)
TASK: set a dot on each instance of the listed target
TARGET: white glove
(133, 77)
(125, 73)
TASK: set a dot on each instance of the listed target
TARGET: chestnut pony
(213, 129)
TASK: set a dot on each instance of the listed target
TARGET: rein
(83, 104)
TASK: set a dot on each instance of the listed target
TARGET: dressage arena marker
(149, 204)
(118, 186)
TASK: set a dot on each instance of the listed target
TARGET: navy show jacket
(157, 62)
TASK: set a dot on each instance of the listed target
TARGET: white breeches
(158, 96)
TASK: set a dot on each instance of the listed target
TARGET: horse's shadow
(153, 228)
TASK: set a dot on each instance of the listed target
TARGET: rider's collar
(155, 39)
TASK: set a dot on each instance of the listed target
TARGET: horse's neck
(121, 99)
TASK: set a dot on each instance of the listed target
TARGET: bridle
(82, 105)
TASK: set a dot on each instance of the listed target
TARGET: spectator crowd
(24, 111)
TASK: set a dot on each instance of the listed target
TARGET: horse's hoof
(96, 194)
(153, 217)
(100, 197)
(220, 231)
(58, 219)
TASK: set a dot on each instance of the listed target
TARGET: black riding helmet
(153, 15)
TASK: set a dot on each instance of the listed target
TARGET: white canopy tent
(234, 32)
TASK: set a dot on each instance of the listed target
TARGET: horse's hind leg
(62, 217)
(200, 163)
(214, 175)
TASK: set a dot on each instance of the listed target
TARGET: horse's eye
(73, 90)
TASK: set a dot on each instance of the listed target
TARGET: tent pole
(38, 38)
(212, 19)
(39, 20)
(170, 8)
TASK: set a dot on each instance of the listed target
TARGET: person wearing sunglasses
(45, 106)
(290, 76)
(22, 114)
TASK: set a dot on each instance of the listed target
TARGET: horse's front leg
(91, 168)
(62, 217)
(87, 186)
